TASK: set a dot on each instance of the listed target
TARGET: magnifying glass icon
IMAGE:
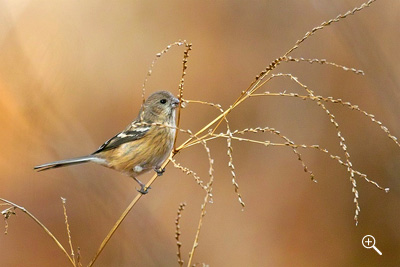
(368, 242)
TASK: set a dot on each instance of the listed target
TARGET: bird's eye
(163, 101)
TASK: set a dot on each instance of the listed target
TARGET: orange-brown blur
(70, 78)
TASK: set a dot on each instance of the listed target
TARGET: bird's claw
(160, 171)
(143, 189)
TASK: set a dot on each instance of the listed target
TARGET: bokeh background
(70, 77)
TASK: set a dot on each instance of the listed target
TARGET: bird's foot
(143, 189)
(160, 171)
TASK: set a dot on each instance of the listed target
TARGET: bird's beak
(175, 102)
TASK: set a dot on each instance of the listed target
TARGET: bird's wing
(132, 133)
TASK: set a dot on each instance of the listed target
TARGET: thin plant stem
(196, 239)
(64, 202)
(42, 226)
(122, 217)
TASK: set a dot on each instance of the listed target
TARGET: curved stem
(196, 239)
(42, 226)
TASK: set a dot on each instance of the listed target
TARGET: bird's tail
(65, 162)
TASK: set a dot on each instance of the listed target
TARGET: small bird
(144, 145)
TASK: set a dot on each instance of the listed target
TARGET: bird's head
(159, 107)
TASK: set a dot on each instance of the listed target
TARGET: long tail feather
(66, 162)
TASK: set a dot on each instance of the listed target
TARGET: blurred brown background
(70, 78)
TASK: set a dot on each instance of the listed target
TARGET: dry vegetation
(219, 128)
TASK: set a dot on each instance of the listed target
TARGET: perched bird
(144, 145)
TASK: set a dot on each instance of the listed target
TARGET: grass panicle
(64, 203)
(178, 232)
